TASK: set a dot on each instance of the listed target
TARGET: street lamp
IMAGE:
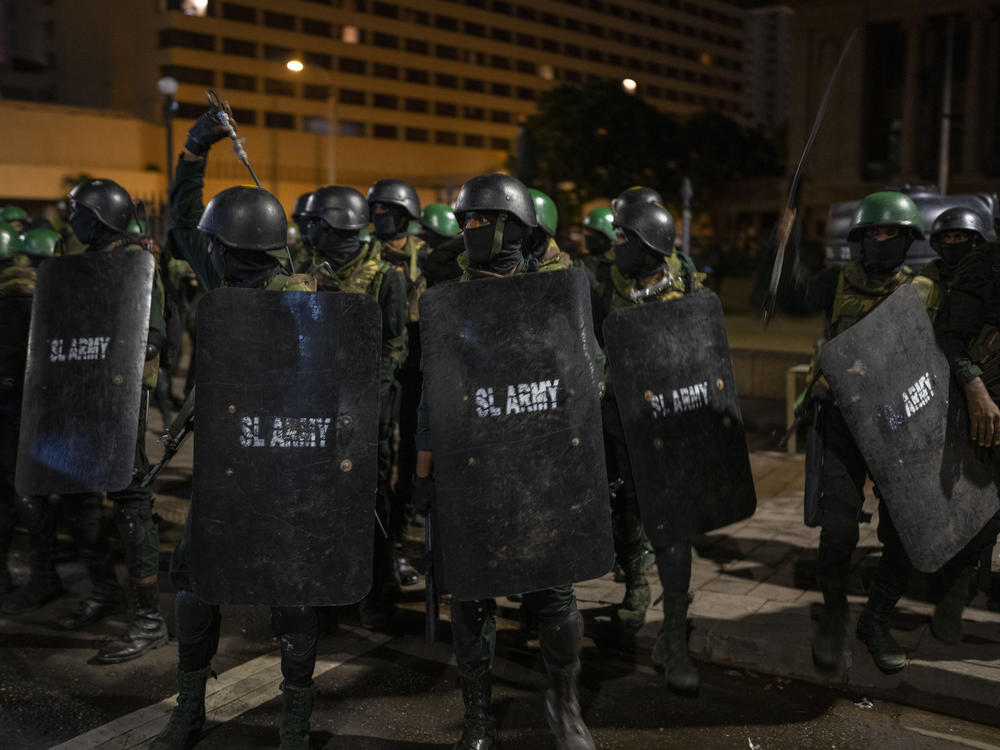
(629, 85)
(296, 66)
(168, 87)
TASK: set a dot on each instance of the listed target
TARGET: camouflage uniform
(554, 259)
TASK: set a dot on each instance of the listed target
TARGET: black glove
(154, 344)
(207, 130)
(422, 496)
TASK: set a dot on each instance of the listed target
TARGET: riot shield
(895, 390)
(83, 380)
(15, 320)
(673, 381)
(512, 390)
(286, 447)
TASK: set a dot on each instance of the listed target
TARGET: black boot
(295, 712)
(147, 631)
(632, 611)
(946, 625)
(44, 585)
(188, 717)
(670, 652)
(873, 630)
(479, 731)
(560, 641)
(105, 598)
(828, 640)
(406, 573)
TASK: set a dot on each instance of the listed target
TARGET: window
(550, 45)
(384, 70)
(499, 89)
(385, 101)
(279, 20)
(273, 52)
(242, 116)
(527, 40)
(573, 50)
(445, 109)
(239, 82)
(498, 115)
(417, 105)
(500, 144)
(413, 75)
(191, 111)
(350, 65)
(389, 132)
(573, 24)
(352, 35)
(526, 66)
(475, 29)
(446, 81)
(550, 19)
(446, 51)
(473, 113)
(595, 55)
(234, 12)
(280, 88)
(474, 84)
(417, 46)
(388, 41)
(525, 93)
(417, 16)
(317, 28)
(352, 96)
(418, 135)
(350, 129)
(501, 35)
(442, 137)
(188, 39)
(315, 124)
(528, 14)
(446, 22)
(239, 47)
(499, 61)
(502, 7)
(314, 91)
(573, 76)
(473, 141)
(279, 120)
(318, 59)
(184, 74)
(386, 10)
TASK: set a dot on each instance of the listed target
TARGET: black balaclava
(84, 223)
(634, 259)
(249, 269)
(884, 258)
(496, 247)
(337, 246)
(535, 247)
(597, 243)
(952, 253)
(392, 224)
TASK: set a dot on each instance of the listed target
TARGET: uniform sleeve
(392, 300)
(186, 207)
(964, 312)
(157, 305)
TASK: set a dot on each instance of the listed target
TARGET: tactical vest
(554, 259)
(855, 296)
(363, 275)
(416, 283)
(930, 287)
(681, 281)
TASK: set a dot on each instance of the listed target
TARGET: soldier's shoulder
(299, 282)
(17, 281)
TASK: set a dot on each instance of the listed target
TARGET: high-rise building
(767, 65)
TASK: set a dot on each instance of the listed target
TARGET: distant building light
(350, 35)
(195, 7)
(547, 72)
(167, 86)
(629, 85)
(295, 66)
(706, 59)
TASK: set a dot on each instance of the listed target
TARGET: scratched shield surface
(285, 451)
(83, 377)
(511, 383)
(894, 388)
(673, 381)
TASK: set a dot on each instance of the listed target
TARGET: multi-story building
(767, 64)
(430, 91)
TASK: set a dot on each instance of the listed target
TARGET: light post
(168, 87)
(296, 66)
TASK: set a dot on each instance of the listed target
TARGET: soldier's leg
(376, 608)
(673, 562)
(196, 626)
(410, 383)
(626, 522)
(474, 637)
(561, 639)
(842, 480)
(955, 582)
(299, 630)
(37, 515)
(87, 524)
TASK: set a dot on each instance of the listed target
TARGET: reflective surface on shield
(894, 387)
(83, 381)
(511, 385)
(673, 381)
(285, 447)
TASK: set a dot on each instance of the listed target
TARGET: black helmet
(636, 194)
(246, 218)
(960, 219)
(395, 193)
(496, 192)
(107, 200)
(651, 223)
(339, 206)
(300, 204)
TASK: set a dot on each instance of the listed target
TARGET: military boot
(670, 652)
(105, 599)
(44, 585)
(873, 631)
(188, 717)
(295, 712)
(560, 643)
(147, 631)
(632, 611)
(828, 640)
(946, 625)
(406, 573)
(479, 731)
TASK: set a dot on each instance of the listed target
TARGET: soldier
(225, 249)
(331, 220)
(40, 244)
(542, 253)
(636, 194)
(885, 224)
(443, 235)
(394, 205)
(599, 234)
(301, 255)
(17, 217)
(497, 214)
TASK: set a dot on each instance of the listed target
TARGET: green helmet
(136, 227)
(42, 242)
(545, 210)
(602, 220)
(887, 208)
(14, 213)
(438, 217)
(10, 241)
(365, 234)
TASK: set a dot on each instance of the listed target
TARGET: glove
(423, 495)
(207, 130)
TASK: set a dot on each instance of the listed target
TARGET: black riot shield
(512, 390)
(673, 381)
(896, 393)
(83, 380)
(15, 319)
(286, 447)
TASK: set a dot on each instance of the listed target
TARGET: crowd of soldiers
(498, 229)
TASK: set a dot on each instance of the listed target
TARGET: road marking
(235, 692)
(966, 741)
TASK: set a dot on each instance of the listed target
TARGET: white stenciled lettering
(86, 348)
(484, 403)
(286, 432)
(56, 352)
(659, 407)
(918, 395)
(538, 395)
(686, 398)
(250, 429)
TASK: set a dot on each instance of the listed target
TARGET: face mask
(338, 246)
(390, 225)
(82, 223)
(953, 253)
(885, 257)
(243, 268)
(634, 260)
(596, 244)
(479, 243)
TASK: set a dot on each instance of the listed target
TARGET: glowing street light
(629, 85)
(295, 66)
